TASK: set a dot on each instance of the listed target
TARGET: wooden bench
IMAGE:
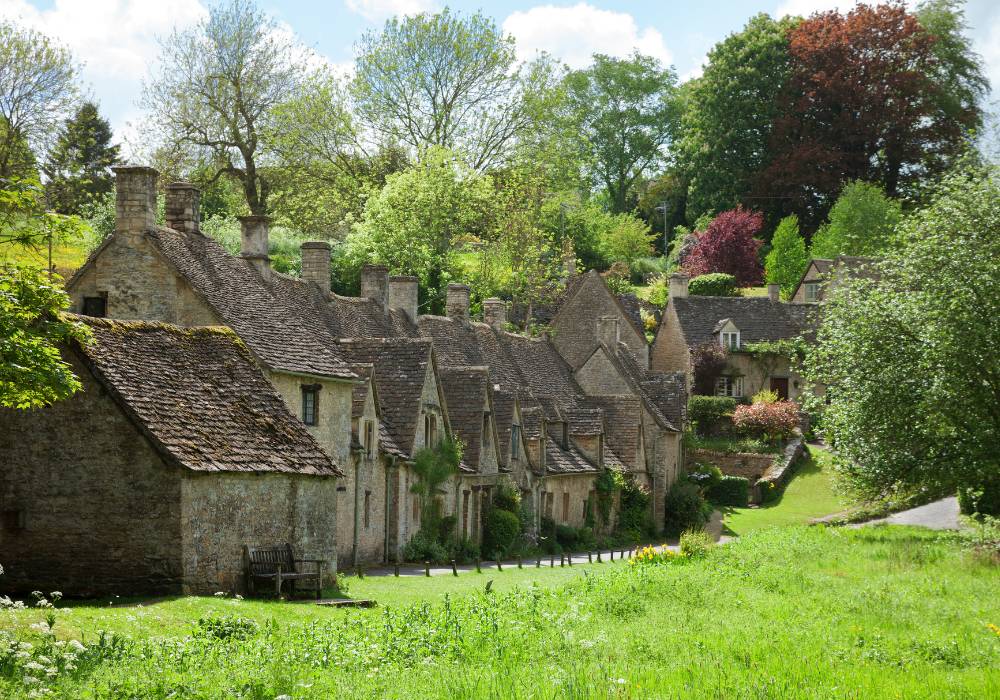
(277, 565)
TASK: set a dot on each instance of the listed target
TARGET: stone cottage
(176, 453)
(824, 274)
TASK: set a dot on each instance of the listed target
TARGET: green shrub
(226, 627)
(500, 532)
(685, 507)
(463, 550)
(567, 537)
(714, 284)
(695, 542)
(507, 498)
(704, 476)
(421, 547)
(730, 491)
(447, 526)
(982, 500)
(711, 414)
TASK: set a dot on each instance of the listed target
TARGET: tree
(627, 112)
(869, 97)
(729, 245)
(444, 80)
(37, 89)
(32, 372)
(218, 90)
(79, 167)
(729, 114)
(627, 239)
(708, 361)
(862, 222)
(788, 259)
(913, 385)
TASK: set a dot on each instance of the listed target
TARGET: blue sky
(117, 39)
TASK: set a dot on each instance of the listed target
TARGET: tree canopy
(78, 168)
(861, 222)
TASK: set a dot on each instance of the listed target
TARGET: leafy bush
(708, 360)
(421, 547)
(695, 542)
(634, 521)
(446, 528)
(567, 537)
(226, 627)
(710, 414)
(730, 491)
(500, 531)
(507, 498)
(685, 507)
(644, 269)
(705, 476)
(463, 550)
(981, 500)
(765, 396)
(714, 284)
(729, 244)
(618, 278)
(773, 422)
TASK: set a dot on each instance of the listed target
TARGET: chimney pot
(183, 201)
(678, 285)
(774, 292)
(316, 264)
(135, 199)
(608, 331)
(403, 291)
(375, 285)
(457, 302)
(495, 313)
(254, 233)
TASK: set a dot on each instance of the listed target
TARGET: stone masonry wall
(100, 508)
(746, 464)
(578, 488)
(574, 329)
(669, 352)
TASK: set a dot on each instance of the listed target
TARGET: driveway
(939, 515)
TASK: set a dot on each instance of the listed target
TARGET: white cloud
(576, 32)
(379, 10)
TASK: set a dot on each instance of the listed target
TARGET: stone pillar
(316, 264)
(678, 285)
(135, 199)
(182, 206)
(608, 331)
(254, 231)
(457, 302)
(403, 294)
(375, 284)
(495, 313)
(774, 292)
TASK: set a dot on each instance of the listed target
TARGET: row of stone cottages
(228, 404)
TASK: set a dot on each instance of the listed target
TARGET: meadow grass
(796, 612)
(66, 257)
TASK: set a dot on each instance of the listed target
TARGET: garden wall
(763, 470)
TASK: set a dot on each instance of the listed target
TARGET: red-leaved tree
(729, 244)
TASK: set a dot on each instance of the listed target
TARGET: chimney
(135, 201)
(375, 285)
(774, 292)
(678, 285)
(254, 248)
(495, 313)
(457, 301)
(607, 331)
(403, 294)
(316, 264)
(182, 205)
(568, 258)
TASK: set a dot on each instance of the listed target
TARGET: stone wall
(222, 512)
(670, 352)
(334, 412)
(750, 465)
(574, 331)
(574, 487)
(100, 508)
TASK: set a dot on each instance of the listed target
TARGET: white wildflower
(77, 644)
(33, 666)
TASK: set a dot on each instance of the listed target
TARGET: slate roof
(584, 422)
(400, 367)
(566, 461)
(200, 398)
(465, 392)
(668, 391)
(621, 426)
(757, 318)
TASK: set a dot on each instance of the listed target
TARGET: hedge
(714, 284)
(500, 533)
(710, 413)
(730, 491)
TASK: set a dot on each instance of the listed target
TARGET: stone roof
(466, 392)
(354, 317)
(359, 394)
(200, 398)
(531, 421)
(621, 426)
(660, 403)
(566, 461)
(400, 368)
(668, 391)
(503, 415)
(584, 422)
(757, 318)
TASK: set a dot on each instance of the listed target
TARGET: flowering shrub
(771, 421)
(651, 555)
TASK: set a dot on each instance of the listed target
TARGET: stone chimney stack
(182, 207)
(375, 285)
(568, 258)
(774, 292)
(608, 331)
(316, 264)
(135, 204)
(495, 313)
(457, 302)
(403, 291)
(254, 231)
(678, 285)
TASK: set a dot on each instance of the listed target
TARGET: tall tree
(867, 98)
(861, 222)
(218, 90)
(729, 114)
(729, 244)
(627, 112)
(444, 80)
(787, 259)
(37, 90)
(79, 166)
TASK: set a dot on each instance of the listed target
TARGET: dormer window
(812, 291)
(430, 430)
(731, 340)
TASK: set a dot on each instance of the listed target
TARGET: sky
(117, 41)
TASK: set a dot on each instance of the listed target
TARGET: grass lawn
(809, 495)
(66, 257)
(793, 612)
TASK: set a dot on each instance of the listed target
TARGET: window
(368, 509)
(95, 306)
(369, 439)
(430, 430)
(465, 512)
(731, 340)
(565, 509)
(565, 436)
(310, 404)
(515, 442)
(812, 291)
(486, 427)
(729, 386)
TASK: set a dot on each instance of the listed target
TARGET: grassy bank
(792, 613)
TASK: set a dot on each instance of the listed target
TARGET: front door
(780, 385)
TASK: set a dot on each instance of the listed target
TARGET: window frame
(811, 290)
(310, 391)
(728, 385)
(515, 439)
(101, 299)
(727, 338)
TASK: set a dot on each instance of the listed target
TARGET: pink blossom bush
(771, 421)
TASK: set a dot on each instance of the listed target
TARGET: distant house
(739, 325)
(824, 274)
(176, 453)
